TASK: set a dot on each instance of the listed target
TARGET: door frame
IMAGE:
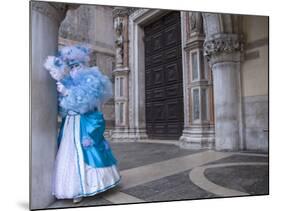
(137, 21)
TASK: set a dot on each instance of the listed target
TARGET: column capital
(223, 46)
(222, 43)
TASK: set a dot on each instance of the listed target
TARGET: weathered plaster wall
(255, 72)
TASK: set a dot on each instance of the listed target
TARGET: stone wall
(254, 68)
(76, 24)
(254, 73)
(256, 122)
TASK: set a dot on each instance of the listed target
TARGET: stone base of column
(128, 134)
(198, 138)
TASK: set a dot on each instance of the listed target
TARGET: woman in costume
(85, 164)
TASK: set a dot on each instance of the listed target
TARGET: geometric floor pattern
(153, 172)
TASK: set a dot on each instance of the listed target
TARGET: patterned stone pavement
(164, 172)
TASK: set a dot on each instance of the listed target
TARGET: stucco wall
(102, 32)
(254, 73)
(256, 122)
(255, 66)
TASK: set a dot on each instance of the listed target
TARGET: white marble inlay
(117, 197)
(198, 178)
(140, 175)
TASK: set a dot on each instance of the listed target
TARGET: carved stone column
(198, 130)
(121, 74)
(223, 47)
(45, 22)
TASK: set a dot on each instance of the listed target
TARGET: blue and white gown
(85, 164)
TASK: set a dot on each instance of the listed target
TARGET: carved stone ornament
(132, 10)
(223, 43)
(120, 11)
(192, 18)
(195, 22)
(123, 11)
(118, 26)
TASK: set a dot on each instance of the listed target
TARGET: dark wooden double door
(163, 78)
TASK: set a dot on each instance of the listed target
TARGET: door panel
(163, 78)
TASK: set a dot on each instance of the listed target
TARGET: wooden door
(163, 78)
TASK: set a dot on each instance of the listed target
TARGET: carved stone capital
(56, 11)
(222, 44)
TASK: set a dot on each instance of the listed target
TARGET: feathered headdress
(59, 65)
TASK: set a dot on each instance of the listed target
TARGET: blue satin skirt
(85, 164)
(96, 149)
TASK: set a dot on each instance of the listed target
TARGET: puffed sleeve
(90, 90)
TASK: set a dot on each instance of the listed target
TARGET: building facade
(200, 79)
(172, 75)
